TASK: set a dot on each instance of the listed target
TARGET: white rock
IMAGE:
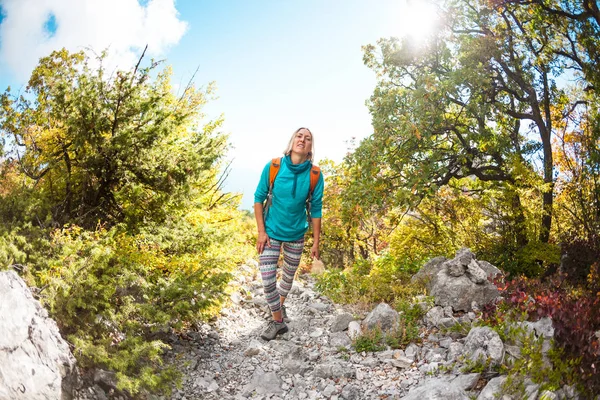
(354, 329)
(35, 361)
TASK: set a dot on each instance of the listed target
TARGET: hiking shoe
(284, 314)
(273, 329)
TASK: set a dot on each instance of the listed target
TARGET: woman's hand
(314, 251)
(263, 239)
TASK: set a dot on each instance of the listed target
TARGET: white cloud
(125, 27)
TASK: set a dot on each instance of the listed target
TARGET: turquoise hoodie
(286, 219)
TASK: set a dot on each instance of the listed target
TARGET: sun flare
(418, 20)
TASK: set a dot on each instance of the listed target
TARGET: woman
(286, 224)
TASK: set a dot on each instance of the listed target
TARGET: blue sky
(278, 65)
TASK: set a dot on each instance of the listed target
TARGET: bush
(387, 279)
(579, 256)
(376, 340)
(575, 313)
(113, 294)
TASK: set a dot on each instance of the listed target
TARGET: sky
(277, 65)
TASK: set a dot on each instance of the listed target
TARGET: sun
(418, 20)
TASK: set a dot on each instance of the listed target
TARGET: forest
(112, 204)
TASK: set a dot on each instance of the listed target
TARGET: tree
(111, 203)
(351, 228)
(111, 149)
(477, 102)
(576, 23)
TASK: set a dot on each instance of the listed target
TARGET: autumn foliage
(575, 314)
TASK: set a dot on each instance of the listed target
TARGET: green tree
(353, 229)
(111, 149)
(478, 101)
(111, 203)
(576, 26)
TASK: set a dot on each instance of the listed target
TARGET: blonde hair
(311, 153)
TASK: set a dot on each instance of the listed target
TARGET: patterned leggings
(292, 251)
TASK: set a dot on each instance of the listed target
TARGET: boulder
(542, 327)
(467, 381)
(35, 361)
(383, 316)
(461, 292)
(483, 343)
(428, 272)
(492, 271)
(437, 388)
(475, 273)
(341, 321)
(493, 389)
(463, 283)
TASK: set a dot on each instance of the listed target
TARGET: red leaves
(575, 313)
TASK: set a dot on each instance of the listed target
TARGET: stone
(493, 389)
(253, 349)
(339, 339)
(454, 268)
(334, 370)
(350, 392)
(491, 271)
(464, 256)
(318, 332)
(446, 342)
(437, 354)
(383, 317)
(542, 327)
(433, 316)
(460, 292)
(484, 342)
(475, 273)
(354, 329)
(401, 362)
(320, 307)
(467, 381)
(329, 390)
(454, 351)
(447, 322)
(412, 351)
(105, 379)
(208, 383)
(437, 389)
(428, 272)
(340, 322)
(295, 367)
(266, 382)
(35, 361)
(461, 283)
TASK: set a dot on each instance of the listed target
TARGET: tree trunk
(520, 231)
(548, 191)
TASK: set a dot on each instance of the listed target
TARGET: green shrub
(369, 340)
(112, 294)
(386, 279)
(405, 333)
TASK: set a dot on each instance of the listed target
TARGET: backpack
(315, 172)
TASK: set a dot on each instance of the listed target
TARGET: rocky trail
(313, 360)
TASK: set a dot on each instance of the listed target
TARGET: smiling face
(301, 144)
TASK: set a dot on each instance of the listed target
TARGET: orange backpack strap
(273, 170)
(315, 172)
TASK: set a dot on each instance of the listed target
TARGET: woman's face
(302, 143)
